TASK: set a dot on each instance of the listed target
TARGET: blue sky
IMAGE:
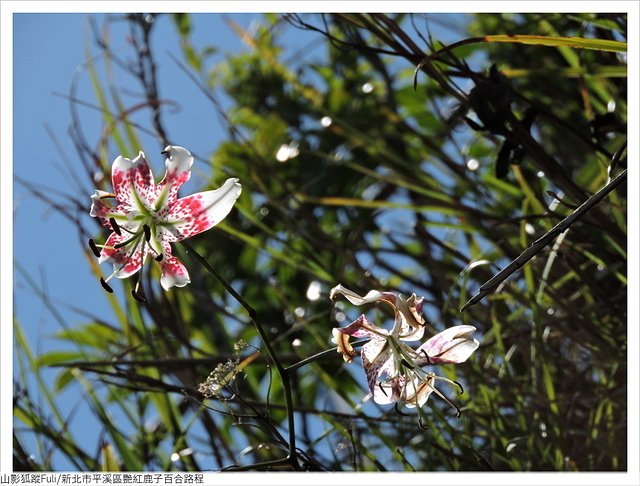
(49, 50)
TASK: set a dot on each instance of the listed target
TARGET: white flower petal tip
(177, 158)
(337, 290)
(146, 217)
(453, 345)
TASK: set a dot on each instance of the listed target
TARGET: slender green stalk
(320, 355)
(282, 373)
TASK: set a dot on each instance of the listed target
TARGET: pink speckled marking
(190, 214)
(113, 255)
(173, 270)
(134, 263)
(143, 183)
(123, 256)
(173, 179)
(121, 187)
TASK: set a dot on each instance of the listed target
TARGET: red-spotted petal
(199, 212)
(178, 171)
(453, 345)
(132, 181)
(122, 213)
(126, 260)
(174, 273)
(377, 359)
(359, 328)
(99, 208)
(362, 327)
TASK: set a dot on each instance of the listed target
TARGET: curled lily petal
(199, 212)
(453, 345)
(355, 299)
(99, 208)
(174, 273)
(359, 328)
(178, 164)
(411, 323)
(344, 346)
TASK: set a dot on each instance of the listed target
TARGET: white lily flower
(393, 368)
(147, 217)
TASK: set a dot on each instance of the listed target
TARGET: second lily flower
(393, 368)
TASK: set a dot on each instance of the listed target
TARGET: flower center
(415, 378)
(139, 240)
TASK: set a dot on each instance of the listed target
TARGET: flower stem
(537, 246)
(282, 373)
(320, 355)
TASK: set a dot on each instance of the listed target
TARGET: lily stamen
(124, 243)
(105, 285)
(137, 296)
(398, 411)
(94, 248)
(114, 226)
(405, 363)
(453, 382)
(424, 353)
(421, 423)
(440, 394)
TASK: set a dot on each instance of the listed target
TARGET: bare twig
(282, 372)
(543, 241)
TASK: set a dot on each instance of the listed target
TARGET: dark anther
(395, 405)
(105, 286)
(138, 297)
(458, 412)
(421, 423)
(94, 248)
(159, 257)
(147, 232)
(406, 363)
(114, 226)
(426, 356)
(459, 386)
(382, 389)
